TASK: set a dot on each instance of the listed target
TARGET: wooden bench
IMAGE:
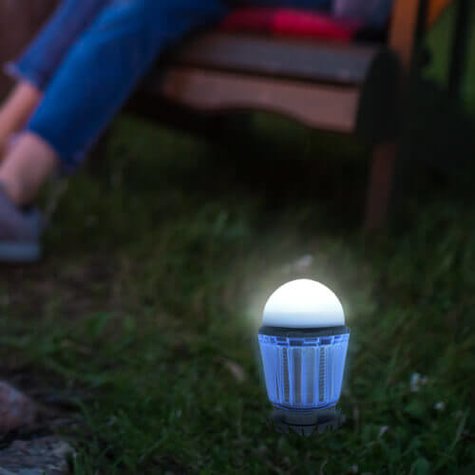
(349, 88)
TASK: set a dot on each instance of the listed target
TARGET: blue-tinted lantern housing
(303, 369)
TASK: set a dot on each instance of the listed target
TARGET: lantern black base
(307, 422)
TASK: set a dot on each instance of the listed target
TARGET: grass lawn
(143, 315)
(145, 311)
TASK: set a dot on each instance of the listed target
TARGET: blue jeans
(92, 53)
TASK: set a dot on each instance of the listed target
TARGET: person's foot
(20, 231)
(16, 409)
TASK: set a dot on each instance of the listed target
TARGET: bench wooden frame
(352, 88)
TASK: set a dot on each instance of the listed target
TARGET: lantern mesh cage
(303, 372)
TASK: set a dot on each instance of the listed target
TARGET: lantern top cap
(303, 303)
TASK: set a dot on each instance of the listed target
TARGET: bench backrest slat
(260, 55)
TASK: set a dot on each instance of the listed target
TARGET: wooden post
(381, 176)
(408, 22)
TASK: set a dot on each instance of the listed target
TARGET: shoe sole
(19, 253)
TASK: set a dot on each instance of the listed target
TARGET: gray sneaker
(20, 232)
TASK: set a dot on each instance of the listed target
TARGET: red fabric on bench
(290, 22)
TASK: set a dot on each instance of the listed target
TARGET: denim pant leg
(106, 63)
(42, 57)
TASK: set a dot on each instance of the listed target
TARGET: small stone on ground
(42, 456)
(16, 409)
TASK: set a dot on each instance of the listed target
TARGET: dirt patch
(73, 289)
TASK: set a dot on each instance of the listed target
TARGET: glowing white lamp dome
(303, 303)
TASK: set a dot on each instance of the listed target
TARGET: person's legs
(37, 65)
(27, 166)
(93, 82)
(45, 53)
(16, 110)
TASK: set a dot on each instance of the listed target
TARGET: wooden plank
(320, 106)
(279, 57)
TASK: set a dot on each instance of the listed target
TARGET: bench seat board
(324, 106)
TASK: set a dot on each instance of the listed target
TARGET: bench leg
(380, 185)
